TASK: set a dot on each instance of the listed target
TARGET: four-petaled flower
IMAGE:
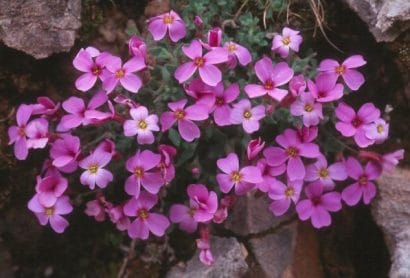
(282, 195)
(141, 125)
(95, 173)
(243, 113)
(290, 39)
(171, 21)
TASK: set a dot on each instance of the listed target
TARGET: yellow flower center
(179, 114)
(199, 61)
(292, 151)
(323, 173)
(363, 180)
(142, 213)
(380, 128)
(49, 211)
(340, 69)
(247, 114)
(236, 176)
(286, 40)
(308, 108)
(168, 19)
(232, 47)
(289, 192)
(119, 73)
(138, 172)
(93, 168)
(142, 124)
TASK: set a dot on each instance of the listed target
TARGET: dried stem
(130, 255)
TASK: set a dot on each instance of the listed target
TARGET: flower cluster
(108, 124)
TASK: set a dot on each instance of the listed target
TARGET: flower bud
(255, 146)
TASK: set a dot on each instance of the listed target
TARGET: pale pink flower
(307, 107)
(141, 125)
(95, 173)
(137, 47)
(254, 147)
(283, 195)
(37, 133)
(50, 188)
(243, 113)
(17, 134)
(297, 85)
(172, 22)
(289, 40)
(239, 52)
(377, 131)
(65, 151)
(326, 174)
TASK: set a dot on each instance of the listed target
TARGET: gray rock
(250, 215)
(391, 210)
(39, 27)
(229, 257)
(386, 19)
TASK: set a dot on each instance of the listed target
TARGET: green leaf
(174, 136)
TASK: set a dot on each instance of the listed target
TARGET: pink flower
(98, 208)
(171, 21)
(184, 116)
(268, 174)
(17, 134)
(363, 187)
(198, 21)
(37, 133)
(254, 147)
(243, 113)
(282, 195)
(137, 47)
(214, 38)
(166, 165)
(307, 134)
(352, 124)
(222, 212)
(390, 160)
(271, 78)
(208, 72)
(50, 188)
(297, 85)
(308, 108)
(117, 216)
(222, 110)
(203, 93)
(79, 113)
(323, 90)
(242, 179)
(64, 152)
(141, 125)
(290, 39)
(95, 173)
(239, 52)
(318, 205)
(45, 106)
(107, 146)
(204, 246)
(92, 68)
(53, 213)
(115, 73)
(145, 221)
(326, 174)
(332, 70)
(377, 131)
(203, 202)
(292, 150)
(184, 216)
(140, 165)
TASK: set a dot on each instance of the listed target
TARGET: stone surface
(250, 215)
(39, 27)
(386, 19)
(391, 210)
(229, 257)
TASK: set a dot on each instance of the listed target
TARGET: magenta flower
(50, 188)
(318, 205)
(390, 160)
(64, 151)
(37, 133)
(137, 47)
(363, 187)
(332, 70)
(93, 68)
(254, 147)
(117, 216)
(184, 216)
(140, 165)
(53, 213)
(172, 22)
(242, 179)
(198, 21)
(307, 107)
(271, 77)
(222, 110)
(297, 85)
(352, 124)
(107, 146)
(208, 72)
(269, 174)
(292, 151)
(326, 174)
(115, 72)
(166, 165)
(95, 173)
(243, 113)
(141, 125)
(203, 202)
(238, 52)
(307, 134)
(184, 116)
(17, 134)
(45, 106)
(323, 90)
(214, 38)
(96, 209)
(290, 39)
(145, 221)
(377, 131)
(282, 195)
(204, 246)
(203, 93)
(78, 112)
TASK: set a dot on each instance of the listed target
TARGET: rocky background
(39, 38)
